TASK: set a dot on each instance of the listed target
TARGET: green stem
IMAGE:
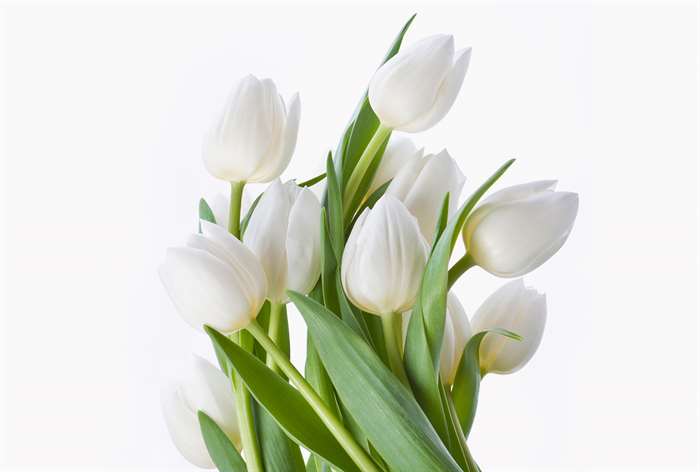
(273, 331)
(246, 420)
(234, 209)
(460, 267)
(363, 164)
(391, 324)
(334, 425)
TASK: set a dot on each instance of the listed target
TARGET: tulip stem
(234, 209)
(460, 267)
(391, 324)
(363, 163)
(246, 419)
(273, 331)
(334, 425)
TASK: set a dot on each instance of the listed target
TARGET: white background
(103, 112)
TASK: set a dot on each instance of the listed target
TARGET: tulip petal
(304, 243)
(399, 153)
(445, 97)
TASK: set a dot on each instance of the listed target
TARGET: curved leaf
(221, 449)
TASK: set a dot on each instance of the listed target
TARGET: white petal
(447, 352)
(518, 192)
(406, 86)
(445, 97)
(304, 243)
(266, 236)
(400, 152)
(404, 180)
(462, 330)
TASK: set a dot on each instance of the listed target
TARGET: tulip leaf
(284, 403)
(334, 206)
(279, 453)
(363, 124)
(382, 406)
(442, 218)
(246, 218)
(205, 213)
(427, 323)
(312, 181)
(465, 390)
(221, 450)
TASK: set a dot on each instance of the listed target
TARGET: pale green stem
(334, 425)
(234, 213)
(273, 331)
(363, 163)
(391, 324)
(459, 268)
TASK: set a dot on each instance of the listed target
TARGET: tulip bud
(384, 258)
(255, 136)
(457, 333)
(206, 389)
(515, 308)
(284, 232)
(422, 184)
(215, 280)
(416, 88)
(399, 153)
(519, 228)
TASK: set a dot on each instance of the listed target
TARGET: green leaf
(363, 124)
(465, 390)
(205, 213)
(279, 453)
(284, 403)
(246, 218)
(442, 219)
(221, 450)
(334, 207)
(312, 181)
(427, 323)
(381, 405)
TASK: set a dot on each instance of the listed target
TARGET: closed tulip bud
(384, 259)
(284, 232)
(456, 335)
(215, 280)
(519, 228)
(515, 308)
(422, 184)
(204, 388)
(255, 136)
(416, 88)
(399, 153)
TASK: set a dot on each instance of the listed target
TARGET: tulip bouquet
(393, 364)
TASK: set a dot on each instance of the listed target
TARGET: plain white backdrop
(103, 111)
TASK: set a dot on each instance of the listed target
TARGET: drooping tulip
(519, 228)
(422, 184)
(456, 335)
(214, 280)
(284, 232)
(204, 388)
(255, 136)
(515, 308)
(416, 88)
(384, 258)
(399, 153)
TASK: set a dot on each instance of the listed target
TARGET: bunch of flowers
(393, 363)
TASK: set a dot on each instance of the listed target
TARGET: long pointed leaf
(221, 450)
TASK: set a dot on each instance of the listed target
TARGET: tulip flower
(519, 228)
(416, 88)
(399, 153)
(205, 388)
(456, 335)
(255, 136)
(422, 184)
(515, 308)
(284, 232)
(214, 280)
(384, 259)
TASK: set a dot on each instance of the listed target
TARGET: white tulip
(384, 258)
(416, 88)
(204, 388)
(519, 228)
(515, 308)
(254, 138)
(215, 280)
(422, 184)
(399, 153)
(284, 232)
(456, 335)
